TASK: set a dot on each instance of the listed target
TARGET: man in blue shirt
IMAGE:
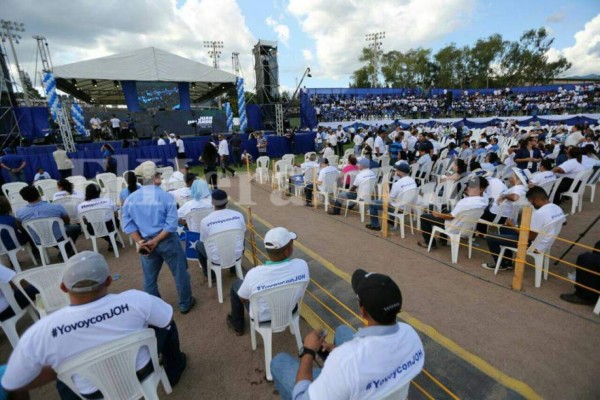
(395, 148)
(15, 164)
(150, 218)
(37, 209)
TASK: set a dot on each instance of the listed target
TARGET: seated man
(474, 200)
(365, 174)
(403, 184)
(544, 175)
(545, 213)
(41, 175)
(298, 180)
(591, 261)
(361, 365)
(50, 341)
(326, 169)
(184, 193)
(37, 209)
(504, 203)
(220, 220)
(278, 271)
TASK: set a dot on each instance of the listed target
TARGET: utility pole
(375, 42)
(214, 52)
(10, 31)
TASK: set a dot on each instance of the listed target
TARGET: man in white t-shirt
(115, 124)
(364, 175)
(172, 138)
(96, 128)
(504, 202)
(379, 359)
(224, 156)
(379, 145)
(220, 220)
(575, 137)
(544, 214)
(358, 141)
(184, 194)
(568, 171)
(328, 171)
(161, 140)
(278, 271)
(473, 201)
(63, 162)
(401, 186)
(544, 175)
(95, 202)
(94, 318)
(180, 148)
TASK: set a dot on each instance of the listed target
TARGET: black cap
(190, 177)
(219, 197)
(378, 294)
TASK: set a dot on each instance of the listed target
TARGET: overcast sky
(326, 35)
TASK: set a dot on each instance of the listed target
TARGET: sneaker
(489, 266)
(573, 298)
(192, 304)
(238, 332)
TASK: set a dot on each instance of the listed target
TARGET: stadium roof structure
(98, 81)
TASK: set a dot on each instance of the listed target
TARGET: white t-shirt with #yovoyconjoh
(541, 178)
(71, 330)
(220, 221)
(271, 275)
(542, 217)
(465, 204)
(6, 274)
(399, 187)
(519, 190)
(571, 168)
(194, 205)
(370, 366)
(103, 203)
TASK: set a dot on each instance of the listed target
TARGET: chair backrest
(366, 189)
(307, 155)
(47, 188)
(352, 176)
(408, 197)
(547, 233)
(13, 237)
(108, 184)
(548, 186)
(165, 170)
(581, 178)
(555, 189)
(262, 162)
(288, 159)
(281, 301)
(111, 367)
(333, 160)
(224, 243)
(464, 223)
(41, 230)
(594, 177)
(195, 217)
(96, 218)
(104, 176)
(309, 174)
(384, 160)
(75, 179)
(11, 189)
(47, 280)
(329, 184)
(70, 204)
(427, 192)
(281, 166)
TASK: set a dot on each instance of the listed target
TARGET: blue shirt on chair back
(42, 209)
(149, 211)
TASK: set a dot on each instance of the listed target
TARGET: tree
(484, 61)
(452, 66)
(360, 78)
(410, 69)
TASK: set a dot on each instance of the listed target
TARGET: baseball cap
(323, 160)
(402, 167)
(146, 170)
(364, 162)
(278, 238)
(378, 294)
(85, 272)
(219, 197)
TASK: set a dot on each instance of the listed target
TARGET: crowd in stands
(500, 103)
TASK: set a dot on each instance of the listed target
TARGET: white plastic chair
(591, 183)
(328, 187)
(384, 161)
(576, 190)
(103, 177)
(280, 174)
(262, 168)
(281, 302)
(352, 175)
(307, 155)
(552, 194)
(47, 280)
(9, 325)
(333, 160)
(75, 179)
(307, 178)
(405, 201)
(42, 228)
(225, 243)
(463, 225)
(399, 394)
(540, 257)
(12, 254)
(597, 307)
(364, 194)
(96, 218)
(47, 188)
(111, 368)
(12, 188)
(195, 217)
(70, 204)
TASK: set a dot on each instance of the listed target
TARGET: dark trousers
(564, 185)
(210, 174)
(22, 301)
(428, 221)
(167, 343)
(589, 261)
(488, 216)
(308, 193)
(237, 307)
(65, 173)
(506, 237)
(340, 149)
(225, 166)
(109, 225)
(237, 156)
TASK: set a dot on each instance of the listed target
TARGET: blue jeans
(168, 250)
(17, 176)
(374, 208)
(337, 207)
(284, 366)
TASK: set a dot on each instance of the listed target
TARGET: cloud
(558, 16)
(282, 31)
(338, 27)
(307, 55)
(79, 30)
(585, 53)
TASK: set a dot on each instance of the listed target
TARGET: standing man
(63, 162)
(341, 139)
(224, 156)
(180, 148)
(236, 149)
(161, 140)
(150, 218)
(115, 124)
(15, 164)
(379, 144)
(96, 125)
(379, 359)
(358, 142)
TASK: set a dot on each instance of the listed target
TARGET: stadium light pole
(214, 51)
(375, 42)
(11, 31)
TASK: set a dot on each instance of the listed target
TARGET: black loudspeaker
(39, 140)
(82, 139)
(449, 99)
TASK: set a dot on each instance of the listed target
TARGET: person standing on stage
(63, 162)
(115, 124)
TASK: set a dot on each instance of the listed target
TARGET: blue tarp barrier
(33, 121)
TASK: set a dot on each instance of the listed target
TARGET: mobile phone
(323, 354)
(144, 251)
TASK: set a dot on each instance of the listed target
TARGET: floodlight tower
(375, 42)
(10, 30)
(214, 47)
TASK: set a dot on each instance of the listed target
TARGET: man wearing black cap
(401, 186)
(220, 220)
(378, 360)
(94, 318)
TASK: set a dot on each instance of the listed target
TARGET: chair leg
(94, 244)
(219, 275)
(12, 255)
(593, 194)
(539, 266)
(454, 246)
(500, 257)
(546, 267)
(361, 206)
(400, 219)
(470, 246)
(597, 307)
(252, 335)
(10, 329)
(238, 269)
(295, 326)
(267, 342)
(209, 269)
(43, 255)
(113, 242)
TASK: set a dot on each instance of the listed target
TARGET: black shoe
(183, 364)
(573, 298)
(238, 332)
(307, 204)
(373, 227)
(192, 304)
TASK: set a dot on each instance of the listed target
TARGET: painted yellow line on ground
(512, 383)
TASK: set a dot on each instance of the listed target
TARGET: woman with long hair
(65, 189)
(132, 186)
(210, 158)
(110, 163)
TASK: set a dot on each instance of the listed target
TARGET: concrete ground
(530, 335)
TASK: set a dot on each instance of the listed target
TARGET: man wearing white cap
(94, 318)
(365, 174)
(278, 271)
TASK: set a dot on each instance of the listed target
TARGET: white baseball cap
(86, 266)
(278, 238)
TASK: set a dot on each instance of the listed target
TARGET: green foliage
(490, 62)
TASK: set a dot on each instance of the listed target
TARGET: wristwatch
(308, 351)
